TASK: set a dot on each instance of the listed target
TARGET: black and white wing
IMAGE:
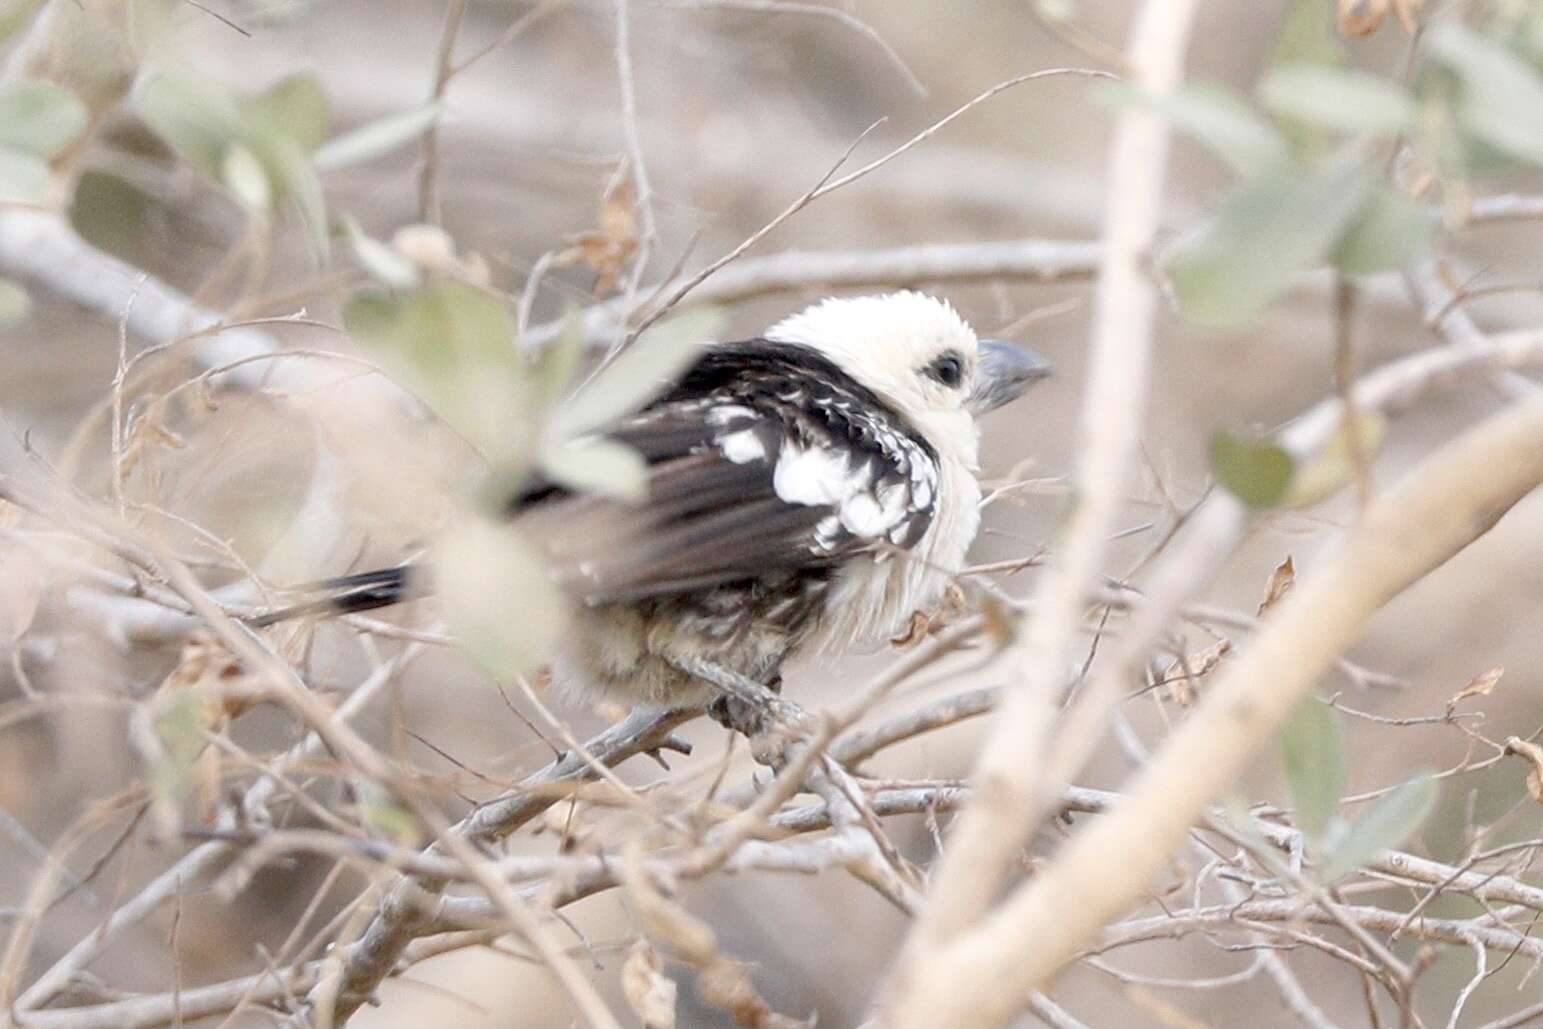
(764, 457)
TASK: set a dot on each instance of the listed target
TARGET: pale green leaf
(198, 116)
(376, 138)
(1502, 97)
(558, 361)
(40, 117)
(293, 176)
(14, 303)
(1267, 232)
(1315, 766)
(382, 262)
(243, 174)
(1391, 232)
(1256, 471)
(1389, 822)
(1337, 98)
(497, 596)
(23, 176)
(1307, 35)
(452, 343)
(1218, 119)
(295, 106)
(597, 465)
(638, 374)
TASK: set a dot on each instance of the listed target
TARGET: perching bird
(811, 488)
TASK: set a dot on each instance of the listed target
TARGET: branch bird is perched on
(809, 488)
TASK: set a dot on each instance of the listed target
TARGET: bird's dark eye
(948, 369)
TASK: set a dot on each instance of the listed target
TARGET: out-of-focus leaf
(597, 465)
(389, 819)
(112, 214)
(198, 116)
(1322, 474)
(453, 344)
(1388, 234)
(21, 574)
(381, 261)
(1219, 120)
(1307, 35)
(23, 176)
(1267, 232)
(295, 106)
(14, 303)
(40, 117)
(244, 175)
(558, 361)
(1315, 766)
(638, 374)
(1502, 98)
(376, 138)
(1337, 98)
(496, 595)
(292, 174)
(1256, 471)
(1390, 822)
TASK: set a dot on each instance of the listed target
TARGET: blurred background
(740, 109)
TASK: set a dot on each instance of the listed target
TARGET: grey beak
(1004, 372)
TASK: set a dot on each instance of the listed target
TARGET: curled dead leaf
(1183, 674)
(607, 249)
(1480, 685)
(1280, 582)
(1534, 755)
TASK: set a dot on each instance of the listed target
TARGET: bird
(807, 490)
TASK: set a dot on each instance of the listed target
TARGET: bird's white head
(920, 356)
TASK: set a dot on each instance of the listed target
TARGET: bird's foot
(744, 705)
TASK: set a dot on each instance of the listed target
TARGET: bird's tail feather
(348, 594)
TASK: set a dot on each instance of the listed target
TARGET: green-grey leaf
(292, 174)
(198, 116)
(1502, 97)
(375, 138)
(1256, 471)
(1389, 823)
(1218, 119)
(638, 374)
(40, 117)
(558, 361)
(597, 465)
(244, 176)
(295, 106)
(1307, 35)
(496, 595)
(23, 176)
(1267, 232)
(383, 263)
(452, 343)
(1315, 766)
(14, 303)
(1392, 231)
(1337, 98)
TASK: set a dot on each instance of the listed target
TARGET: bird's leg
(745, 705)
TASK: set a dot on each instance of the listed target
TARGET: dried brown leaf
(1280, 583)
(607, 249)
(1534, 755)
(1183, 674)
(648, 990)
(1479, 686)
